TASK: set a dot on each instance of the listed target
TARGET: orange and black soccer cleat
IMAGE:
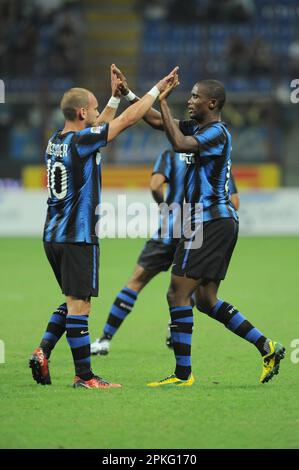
(95, 382)
(39, 366)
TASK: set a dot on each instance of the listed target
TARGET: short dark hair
(214, 90)
(72, 100)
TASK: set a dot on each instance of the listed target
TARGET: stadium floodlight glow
(2, 92)
(294, 97)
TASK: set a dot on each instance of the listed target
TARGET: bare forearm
(138, 108)
(141, 107)
(109, 112)
(172, 131)
(179, 141)
(130, 116)
(152, 117)
(107, 115)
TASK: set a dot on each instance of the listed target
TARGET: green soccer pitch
(226, 408)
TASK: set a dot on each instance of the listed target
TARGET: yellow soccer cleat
(172, 380)
(271, 361)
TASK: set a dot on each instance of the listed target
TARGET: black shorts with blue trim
(157, 256)
(76, 268)
(212, 259)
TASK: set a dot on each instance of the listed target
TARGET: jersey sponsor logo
(58, 150)
(182, 157)
(188, 157)
(97, 130)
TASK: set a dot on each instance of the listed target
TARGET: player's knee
(177, 298)
(79, 311)
(78, 306)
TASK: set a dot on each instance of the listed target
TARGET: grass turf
(226, 408)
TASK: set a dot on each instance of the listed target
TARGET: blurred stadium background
(251, 45)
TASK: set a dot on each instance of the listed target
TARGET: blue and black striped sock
(55, 329)
(122, 306)
(78, 338)
(237, 323)
(181, 333)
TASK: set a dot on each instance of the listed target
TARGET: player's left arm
(179, 141)
(209, 143)
(109, 112)
(206, 144)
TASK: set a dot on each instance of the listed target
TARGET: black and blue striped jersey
(208, 171)
(73, 164)
(173, 166)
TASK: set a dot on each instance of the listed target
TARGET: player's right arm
(156, 185)
(152, 116)
(135, 112)
(110, 109)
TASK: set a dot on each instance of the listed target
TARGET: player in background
(200, 271)
(73, 163)
(157, 254)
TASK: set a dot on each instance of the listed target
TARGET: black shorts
(76, 268)
(211, 260)
(156, 256)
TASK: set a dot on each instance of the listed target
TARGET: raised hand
(116, 83)
(124, 88)
(168, 81)
(170, 87)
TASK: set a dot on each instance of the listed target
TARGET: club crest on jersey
(96, 130)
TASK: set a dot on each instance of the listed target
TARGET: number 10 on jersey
(56, 179)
